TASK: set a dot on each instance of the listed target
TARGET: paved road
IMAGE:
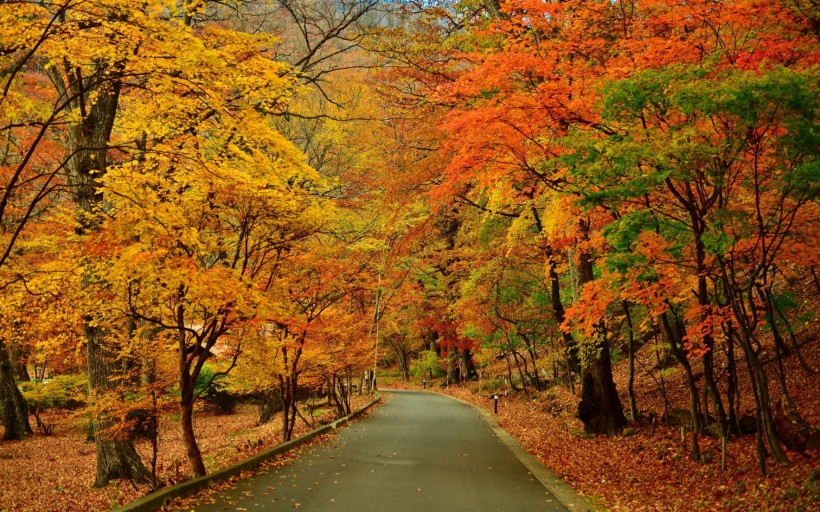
(420, 452)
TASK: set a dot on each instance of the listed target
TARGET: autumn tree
(103, 71)
(531, 131)
(720, 200)
(202, 222)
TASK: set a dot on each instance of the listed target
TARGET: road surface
(419, 452)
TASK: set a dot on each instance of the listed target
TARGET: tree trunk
(115, 458)
(714, 394)
(732, 391)
(698, 227)
(453, 369)
(288, 410)
(760, 386)
(467, 365)
(675, 335)
(345, 391)
(522, 374)
(192, 451)
(288, 387)
(533, 359)
(88, 141)
(189, 371)
(510, 372)
(269, 404)
(600, 407)
(759, 380)
(630, 386)
(333, 395)
(18, 361)
(402, 357)
(570, 346)
(15, 408)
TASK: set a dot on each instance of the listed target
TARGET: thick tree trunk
(15, 408)
(270, 403)
(453, 368)
(115, 458)
(18, 361)
(600, 407)
(467, 364)
(88, 141)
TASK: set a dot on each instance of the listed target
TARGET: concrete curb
(159, 498)
(562, 492)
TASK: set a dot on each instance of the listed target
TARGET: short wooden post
(723, 453)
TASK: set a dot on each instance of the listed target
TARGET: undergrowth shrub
(66, 392)
(427, 365)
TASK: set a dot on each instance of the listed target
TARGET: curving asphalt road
(419, 452)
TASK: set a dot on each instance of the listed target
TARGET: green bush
(427, 365)
(61, 392)
(492, 385)
(216, 393)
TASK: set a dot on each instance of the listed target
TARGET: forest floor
(645, 471)
(55, 473)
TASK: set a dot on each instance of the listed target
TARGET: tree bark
(18, 361)
(600, 407)
(467, 365)
(675, 334)
(89, 141)
(757, 373)
(269, 404)
(630, 386)
(115, 458)
(288, 385)
(189, 372)
(732, 391)
(189, 437)
(570, 346)
(15, 408)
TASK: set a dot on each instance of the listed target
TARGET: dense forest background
(207, 203)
